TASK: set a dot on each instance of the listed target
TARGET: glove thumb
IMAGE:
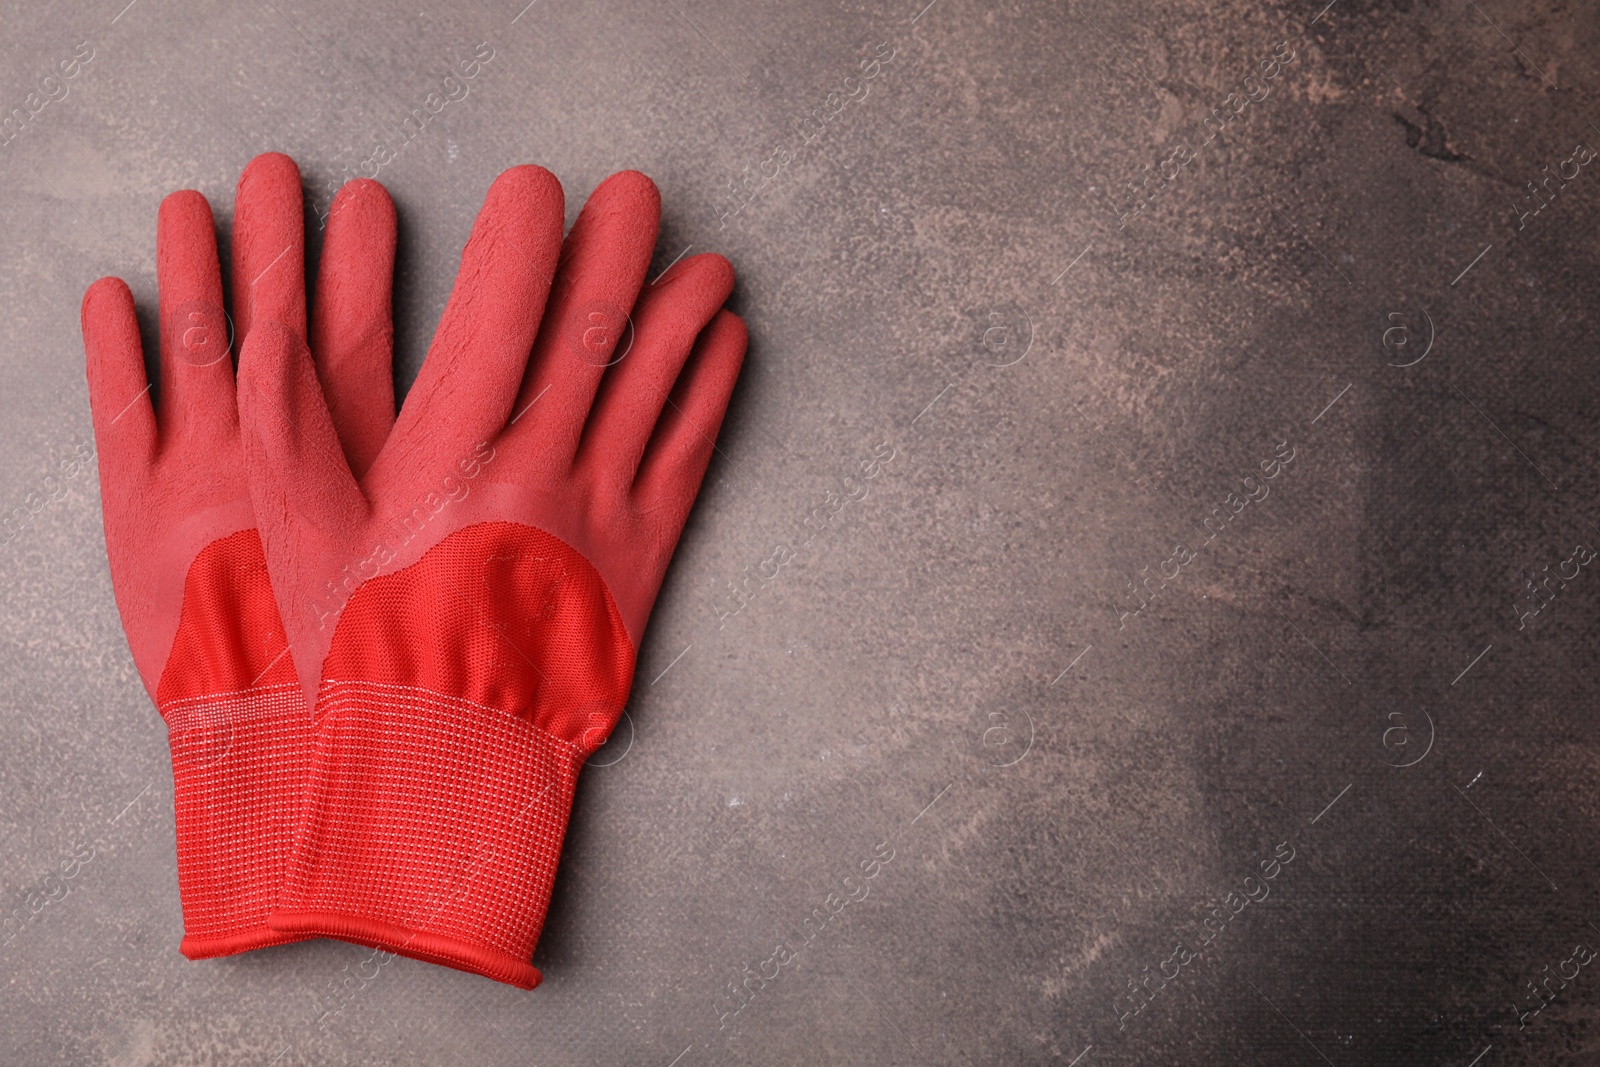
(308, 505)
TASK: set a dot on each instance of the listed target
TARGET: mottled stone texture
(1056, 657)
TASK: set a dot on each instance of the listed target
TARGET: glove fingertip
(114, 366)
(270, 166)
(634, 188)
(733, 332)
(526, 183)
(106, 297)
(183, 202)
(707, 272)
(371, 197)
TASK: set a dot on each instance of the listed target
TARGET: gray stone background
(1351, 672)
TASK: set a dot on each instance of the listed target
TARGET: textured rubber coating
(460, 697)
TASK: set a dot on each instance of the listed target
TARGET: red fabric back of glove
(500, 615)
(229, 634)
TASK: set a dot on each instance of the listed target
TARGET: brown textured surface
(938, 275)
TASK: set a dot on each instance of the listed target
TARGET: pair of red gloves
(383, 645)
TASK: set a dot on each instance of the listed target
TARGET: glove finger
(119, 390)
(195, 401)
(680, 449)
(307, 502)
(603, 264)
(464, 393)
(669, 317)
(269, 245)
(352, 322)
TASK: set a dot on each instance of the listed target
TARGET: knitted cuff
(238, 762)
(431, 827)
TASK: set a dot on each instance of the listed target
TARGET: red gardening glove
(467, 611)
(186, 562)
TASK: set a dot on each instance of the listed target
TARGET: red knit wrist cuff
(431, 828)
(238, 761)
(205, 948)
